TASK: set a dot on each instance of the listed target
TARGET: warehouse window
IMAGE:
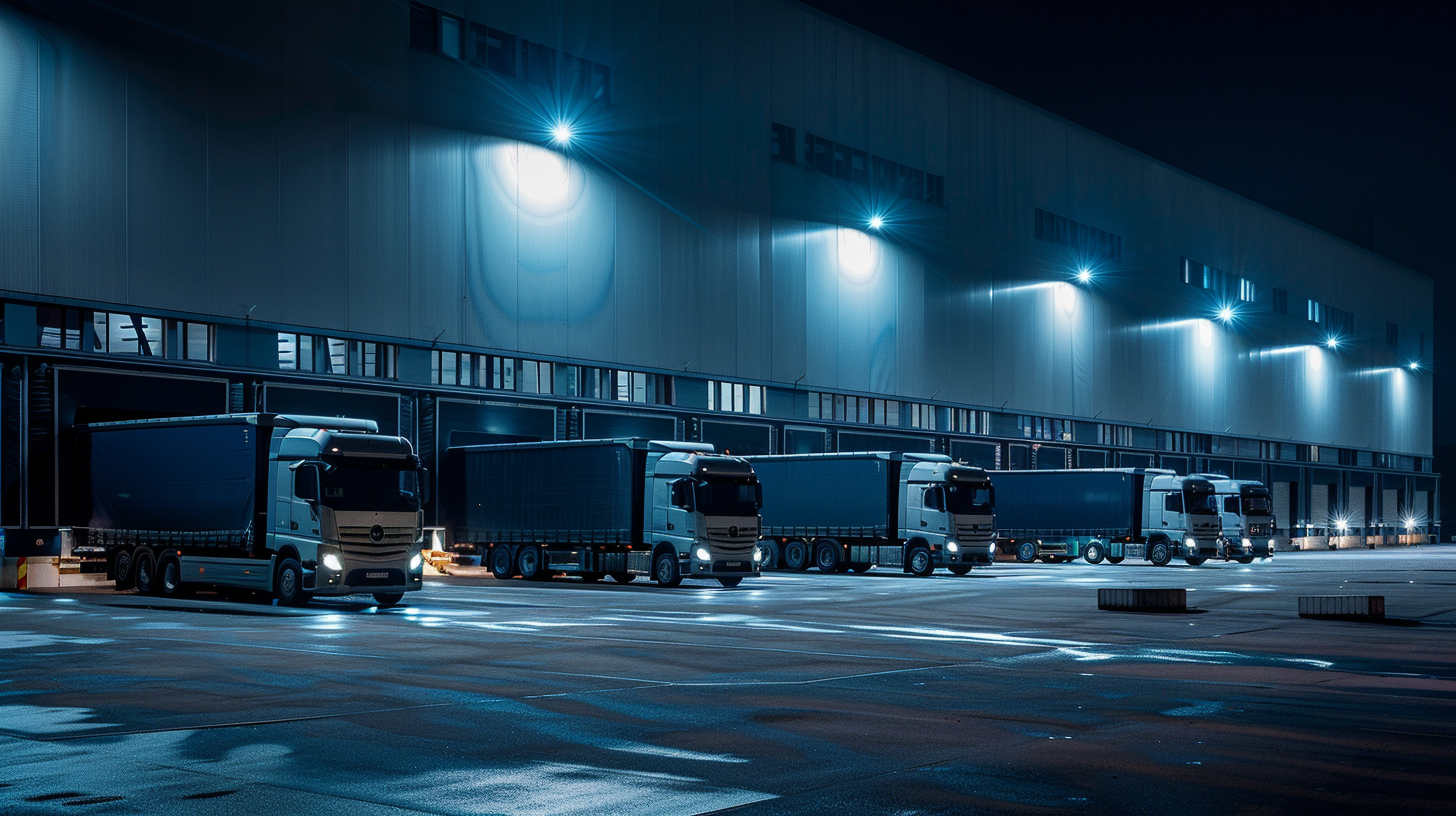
(494, 50)
(1092, 243)
(1280, 299)
(782, 144)
(1246, 290)
(1312, 311)
(375, 359)
(58, 327)
(195, 340)
(295, 351)
(127, 334)
(735, 397)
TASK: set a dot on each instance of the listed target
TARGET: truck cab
(1182, 514)
(1248, 518)
(951, 507)
(703, 510)
(346, 503)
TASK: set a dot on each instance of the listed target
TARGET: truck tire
(860, 568)
(1160, 554)
(770, 552)
(730, 581)
(1093, 552)
(826, 556)
(124, 568)
(959, 569)
(1026, 552)
(530, 564)
(1115, 559)
(169, 577)
(146, 571)
(1248, 559)
(919, 562)
(664, 569)
(1195, 560)
(288, 589)
(388, 598)
(622, 577)
(499, 560)
(796, 555)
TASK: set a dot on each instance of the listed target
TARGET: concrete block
(1344, 607)
(1143, 600)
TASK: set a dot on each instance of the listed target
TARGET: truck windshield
(1200, 500)
(729, 497)
(381, 486)
(968, 499)
(1256, 504)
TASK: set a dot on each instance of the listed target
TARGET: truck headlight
(1248, 545)
(702, 554)
(951, 546)
(332, 562)
(1190, 544)
(1271, 545)
(757, 555)
(991, 548)
(416, 561)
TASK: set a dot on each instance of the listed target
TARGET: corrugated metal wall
(305, 164)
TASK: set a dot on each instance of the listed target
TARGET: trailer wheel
(499, 559)
(622, 577)
(169, 577)
(730, 581)
(959, 569)
(146, 571)
(860, 568)
(1160, 554)
(1093, 553)
(590, 577)
(1115, 559)
(289, 586)
(1026, 552)
(388, 598)
(664, 569)
(796, 555)
(528, 562)
(826, 555)
(124, 568)
(919, 562)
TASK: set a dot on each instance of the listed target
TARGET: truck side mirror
(306, 483)
(682, 494)
(424, 485)
(758, 495)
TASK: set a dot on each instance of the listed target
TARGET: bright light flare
(1414, 366)
(561, 133)
(1226, 314)
(876, 222)
(1333, 342)
(1084, 275)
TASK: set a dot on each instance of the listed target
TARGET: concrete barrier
(1342, 607)
(1143, 600)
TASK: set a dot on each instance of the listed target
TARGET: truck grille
(972, 532)
(724, 544)
(392, 536)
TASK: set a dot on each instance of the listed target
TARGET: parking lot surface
(1002, 691)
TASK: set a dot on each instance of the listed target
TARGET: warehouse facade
(747, 224)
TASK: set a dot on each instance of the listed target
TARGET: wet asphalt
(1002, 691)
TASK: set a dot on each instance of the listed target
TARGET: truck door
(681, 506)
(933, 516)
(304, 516)
(661, 490)
(1172, 510)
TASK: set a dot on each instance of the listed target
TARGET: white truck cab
(1182, 513)
(1249, 527)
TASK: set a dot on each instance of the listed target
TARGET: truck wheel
(499, 560)
(1160, 554)
(919, 562)
(1026, 552)
(770, 555)
(1195, 560)
(730, 581)
(169, 577)
(146, 571)
(528, 562)
(959, 569)
(289, 586)
(664, 570)
(1093, 553)
(388, 598)
(1115, 559)
(826, 556)
(1248, 559)
(622, 577)
(860, 569)
(796, 555)
(124, 568)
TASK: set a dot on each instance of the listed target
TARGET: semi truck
(1107, 514)
(854, 511)
(293, 506)
(1249, 527)
(594, 508)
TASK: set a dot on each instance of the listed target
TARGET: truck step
(1143, 600)
(1342, 607)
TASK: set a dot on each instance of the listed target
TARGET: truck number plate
(376, 575)
(733, 565)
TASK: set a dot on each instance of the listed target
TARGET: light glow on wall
(1067, 297)
(859, 255)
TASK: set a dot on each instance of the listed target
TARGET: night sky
(1338, 116)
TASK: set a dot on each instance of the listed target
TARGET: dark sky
(1338, 116)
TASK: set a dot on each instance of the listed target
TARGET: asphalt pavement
(1006, 690)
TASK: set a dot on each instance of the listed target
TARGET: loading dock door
(1282, 517)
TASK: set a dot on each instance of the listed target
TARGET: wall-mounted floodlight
(1084, 275)
(1342, 524)
(1415, 365)
(1226, 314)
(1333, 342)
(1410, 524)
(876, 222)
(561, 133)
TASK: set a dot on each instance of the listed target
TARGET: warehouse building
(743, 222)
